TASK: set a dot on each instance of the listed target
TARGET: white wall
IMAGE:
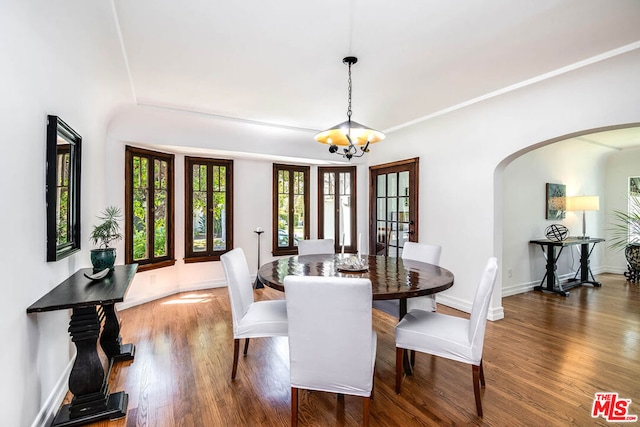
(463, 155)
(60, 58)
(580, 167)
(620, 166)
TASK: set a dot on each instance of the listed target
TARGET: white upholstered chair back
(236, 271)
(423, 252)
(480, 308)
(332, 345)
(316, 246)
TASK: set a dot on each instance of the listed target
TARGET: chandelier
(349, 135)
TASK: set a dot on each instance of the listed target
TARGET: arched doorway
(587, 162)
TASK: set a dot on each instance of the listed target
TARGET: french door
(337, 206)
(393, 206)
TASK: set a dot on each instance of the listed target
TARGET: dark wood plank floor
(543, 364)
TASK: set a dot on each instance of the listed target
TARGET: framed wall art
(556, 201)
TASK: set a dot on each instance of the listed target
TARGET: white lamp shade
(583, 203)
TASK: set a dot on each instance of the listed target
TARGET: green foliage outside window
(291, 201)
(208, 206)
(62, 235)
(151, 186)
(62, 220)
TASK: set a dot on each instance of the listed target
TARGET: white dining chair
(316, 246)
(332, 346)
(451, 337)
(414, 251)
(251, 319)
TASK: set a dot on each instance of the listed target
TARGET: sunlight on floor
(190, 299)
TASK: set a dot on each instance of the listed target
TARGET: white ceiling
(279, 62)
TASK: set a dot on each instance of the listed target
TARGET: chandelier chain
(349, 108)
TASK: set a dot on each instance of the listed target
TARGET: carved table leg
(585, 269)
(110, 340)
(91, 398)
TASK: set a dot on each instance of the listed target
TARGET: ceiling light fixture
(349, 134)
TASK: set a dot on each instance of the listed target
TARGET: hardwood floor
(543, 363)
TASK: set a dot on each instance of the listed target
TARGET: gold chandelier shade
(359, 135)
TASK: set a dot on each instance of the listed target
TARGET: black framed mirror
(64, 154)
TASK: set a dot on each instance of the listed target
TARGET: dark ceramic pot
(103, 258)
(632, 253)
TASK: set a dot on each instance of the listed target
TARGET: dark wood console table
(550, 277)
(92, 302)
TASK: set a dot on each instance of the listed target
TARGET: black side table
(91, 302)
(551, 278)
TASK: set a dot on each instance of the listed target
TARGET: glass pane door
(393, 207)
(337, 206)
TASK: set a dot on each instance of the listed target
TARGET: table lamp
(583, 203)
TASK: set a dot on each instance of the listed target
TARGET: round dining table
(391, 277)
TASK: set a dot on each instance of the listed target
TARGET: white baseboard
(613, 270)
(520, 288)
(463, 305)
(454, 302)
(52, 404)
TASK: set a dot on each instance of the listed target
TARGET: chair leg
(294, 407)
(373, 385)
(365, 411)
(476, 388)
(399, 357)
(413, 358)
(236, 350)
(482, 383)
(246, 346)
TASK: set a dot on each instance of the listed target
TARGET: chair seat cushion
(435, 333)
(263, 319)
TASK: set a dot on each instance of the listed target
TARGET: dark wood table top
(569, 241)
(78, 291)
(391, 278)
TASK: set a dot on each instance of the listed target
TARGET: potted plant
(103, 234)
(626, 235)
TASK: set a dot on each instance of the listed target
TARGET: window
(149, 230)
(337, 206)
(208, 208)
(290, 207)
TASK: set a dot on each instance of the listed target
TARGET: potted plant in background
(626, 235)
(104, 234)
